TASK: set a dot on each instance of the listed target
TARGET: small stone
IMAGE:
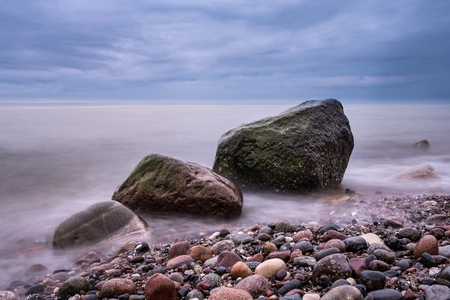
(304, 246)
(326, 252)
(255, 285)
(35, 289)
(296, 253)
(437, 292)
(427, 260)
(333, 234)
(404, 264)
(358, 265)
(372, 238)
(427, 244)
(240, 269)
(226, 293)
(224, 232)
(386, 295)
(384, 255)
(305, 261)
(200, 253)
(257, 257)
(263, 237)
(227, 259)
(160, 287)
(225, 245)
(334, 266)
(335, 243)
(269, 247)
(443, 277)
(445, 251)
(410, 233)
(281, 274)
(283, 226)
(438, 219)
(343, 292)
(311, 296)
(213, 280)
(266, 229)
(378, 265)
(284, 255)
(8, 295)
(355, 244)
(394, 223)
(373, 280)
(340, 282)
(117, 286)
(179, 261)
(195, 295)
(177, 249)
(73, 286)
(303, 234)
(269, 268)
(290, 285)
(177, 277)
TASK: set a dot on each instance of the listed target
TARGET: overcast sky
(192, 51)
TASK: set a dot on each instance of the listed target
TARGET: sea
(56, 160)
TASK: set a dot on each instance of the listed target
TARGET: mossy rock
(161, 184)
(305, 148)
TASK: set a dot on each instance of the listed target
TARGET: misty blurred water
(57, 160)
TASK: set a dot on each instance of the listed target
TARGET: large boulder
(101, 222)
(161, 184)
(305, 148)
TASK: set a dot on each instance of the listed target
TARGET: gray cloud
(224, 50)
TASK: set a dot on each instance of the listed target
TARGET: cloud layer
(224, 50)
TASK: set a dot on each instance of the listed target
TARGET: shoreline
(385, 217)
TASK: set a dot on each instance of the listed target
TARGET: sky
(233, 51)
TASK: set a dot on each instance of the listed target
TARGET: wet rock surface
(161, 184)
(305, 148)
(386, 265)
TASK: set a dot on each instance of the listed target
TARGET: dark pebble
(325, 228)
(428, 281)
(290, 285)
(386, 295)
(373, 280)
(355, 244)
(326, 252)
(427, 261)
(304, 246)
(35, 289)
(340, 282)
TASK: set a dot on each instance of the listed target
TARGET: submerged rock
(305, 148)
(164, 184)
(419, 172)
(104, 221)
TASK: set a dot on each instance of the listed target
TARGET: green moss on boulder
(165, 184)
(305, 148)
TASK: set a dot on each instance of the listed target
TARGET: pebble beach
(385, 247)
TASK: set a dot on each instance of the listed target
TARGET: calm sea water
(57, 160)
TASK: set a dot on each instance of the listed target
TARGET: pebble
(255, 285)
(326, 252)
(227, 259)
(437, 292)
(117, 286)
(240, 269)
(269, 268)
(160, 287)
(178, 261)
(427, 244)
(304, 246)
(177, 249)
(335, 243)
(221, 246)
(334, 266)
(343, 292)
(355, 244)
(443, 277)
(283, 226)
(226, 293)
(305, 261)
(445, 251)
(386, 294)
(200, 253)
(73, 286)
(373, 280)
